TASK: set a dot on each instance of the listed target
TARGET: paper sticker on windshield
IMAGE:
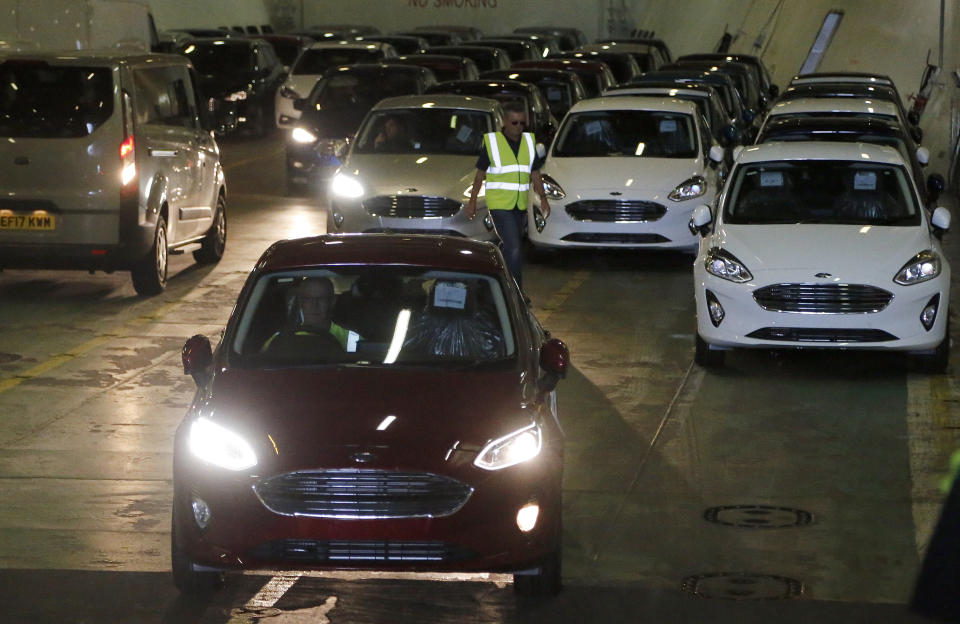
(450, 295)
(865, 181)
(668, 125)
(593, 127)
(464, 134)
(771, 178)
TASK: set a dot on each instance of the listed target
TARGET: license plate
(27, 222)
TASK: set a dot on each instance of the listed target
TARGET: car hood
(624, 174)
(847, 252)
(299, 417)
(333, 123)
(413, 174)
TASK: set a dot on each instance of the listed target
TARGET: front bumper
(896, 327)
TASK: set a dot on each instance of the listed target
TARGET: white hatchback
(626, 171)
(823, 245)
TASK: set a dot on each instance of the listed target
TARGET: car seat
(864, 199)
(452, 325)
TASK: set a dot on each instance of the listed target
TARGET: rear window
(46, 102)
(316, 62)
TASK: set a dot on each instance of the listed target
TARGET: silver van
(108, 163)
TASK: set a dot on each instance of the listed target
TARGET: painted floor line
(560, 297)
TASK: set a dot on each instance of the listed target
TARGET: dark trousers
(510, 226)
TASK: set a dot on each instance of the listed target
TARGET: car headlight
(236, 96)
(346, 186)
(481, 193)
(219, 446)
(302, 135)
(725, 265)
(920, 268)
(512, 449)
(551, 188)
(689, 189)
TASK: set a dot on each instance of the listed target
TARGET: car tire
(150, 273)
(185, 577)
(935, 363)
(215, 242)
(547, 580)
(705, 356)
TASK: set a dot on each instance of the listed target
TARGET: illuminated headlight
(551, 188)
(236, 96)
(481, 193)
(510, 450)
(689, 189)
(725, 266)
(922, 267)
(302, 135)
(527, 517)
(347, 186)
(219, 446)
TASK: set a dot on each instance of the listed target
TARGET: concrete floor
(850, 446)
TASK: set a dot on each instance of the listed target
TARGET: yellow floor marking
(560, 297)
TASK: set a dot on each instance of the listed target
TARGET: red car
(376, 402)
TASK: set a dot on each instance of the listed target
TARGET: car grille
(411, 206)
(822, 298)
(350, 493)
(807, 334)
(615, 238)
(413, 231)
(341, 551)
(615, 210)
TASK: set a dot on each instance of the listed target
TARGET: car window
(316, 62)
(383, 315)
(47, 101)
(164, 97)
(221, 60)
(649, 134)
(821, 191)
(424, 130)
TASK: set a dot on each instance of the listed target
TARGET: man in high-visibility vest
(510, 164)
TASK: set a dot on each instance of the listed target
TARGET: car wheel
(935, 363)
(705, 356)
(150, 274)
(185, 577)
(546, 581)
(214, 243)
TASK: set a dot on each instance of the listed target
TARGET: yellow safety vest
(508, 176)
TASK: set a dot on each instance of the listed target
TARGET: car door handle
(163, 153)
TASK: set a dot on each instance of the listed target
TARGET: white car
(626, 171)
(310, 66)
(824, 245)
(834, 107)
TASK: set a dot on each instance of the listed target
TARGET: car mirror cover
(941, 219)
(197, 357)
(555, 357)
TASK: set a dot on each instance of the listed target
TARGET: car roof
(839, 89)
(100, 57)
(348, 45)
(439, 100)
(435, 58)
(635, 102)
(482, 84)
(441, 252)
(658, 90)
(879, 125)
(539, 73)
(561, 63)
(841, 77)
(377, 69)
(834, 105)
(820, 150)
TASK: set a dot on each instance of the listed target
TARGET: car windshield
(218, 59)
(374, 315)
(363, 91)
(821, 191)
(43, 101)
(424, 130)
(316, 62)
(648, 134)
(559, 97)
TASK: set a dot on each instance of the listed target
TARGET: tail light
(128, 161)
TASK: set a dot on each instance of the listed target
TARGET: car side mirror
(913, 118)
(716, 155)
(197, 357)
(923, 156)
(916, 133)
(940, 221)
(935, 186)
(554, 359)
(700, 220)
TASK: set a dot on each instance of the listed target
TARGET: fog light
(488, 223)
(929, 315)
(201, 512)
(540, 222)
(715, 309)
(527, 517)
(337, 219)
